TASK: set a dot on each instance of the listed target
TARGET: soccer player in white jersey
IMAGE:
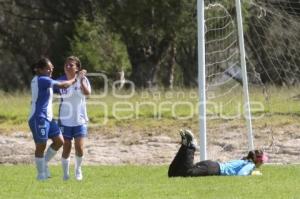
(73, 115)
(40, 119)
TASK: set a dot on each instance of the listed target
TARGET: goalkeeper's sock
(66, 167)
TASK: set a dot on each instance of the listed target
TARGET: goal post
(247, 108)
(202, 76)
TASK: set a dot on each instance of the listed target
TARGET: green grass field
(154, 111)
(148, 182)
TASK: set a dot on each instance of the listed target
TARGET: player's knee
(57, 143)
(60, 143)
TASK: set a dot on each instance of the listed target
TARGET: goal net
(271, 32)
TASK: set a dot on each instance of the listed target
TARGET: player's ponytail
(254, 155)
(250, 156)
(33, 68)
(42, 63)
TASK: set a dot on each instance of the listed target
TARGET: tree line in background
(153, 41)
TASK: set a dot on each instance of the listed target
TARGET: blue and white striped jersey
(42, 95)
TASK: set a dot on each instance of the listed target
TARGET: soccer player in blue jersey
(183, 165)
(73, 117)
(40, 120)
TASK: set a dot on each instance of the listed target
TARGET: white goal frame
(202, 77)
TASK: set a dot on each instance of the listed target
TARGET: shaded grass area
(148, 182)
(177, 108)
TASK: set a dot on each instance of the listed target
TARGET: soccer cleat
(66, 177)
(183, 138)
(41, 177)
(78, 174)
(191, 141)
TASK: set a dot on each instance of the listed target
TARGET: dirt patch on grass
(119, 146)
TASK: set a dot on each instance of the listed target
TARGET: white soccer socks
(49, 155)
(66, 167)
(40, 166)
(78, 172)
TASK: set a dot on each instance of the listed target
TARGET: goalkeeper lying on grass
(183, 165)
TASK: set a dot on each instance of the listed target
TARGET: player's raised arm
(84, 82)
(65, 84)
